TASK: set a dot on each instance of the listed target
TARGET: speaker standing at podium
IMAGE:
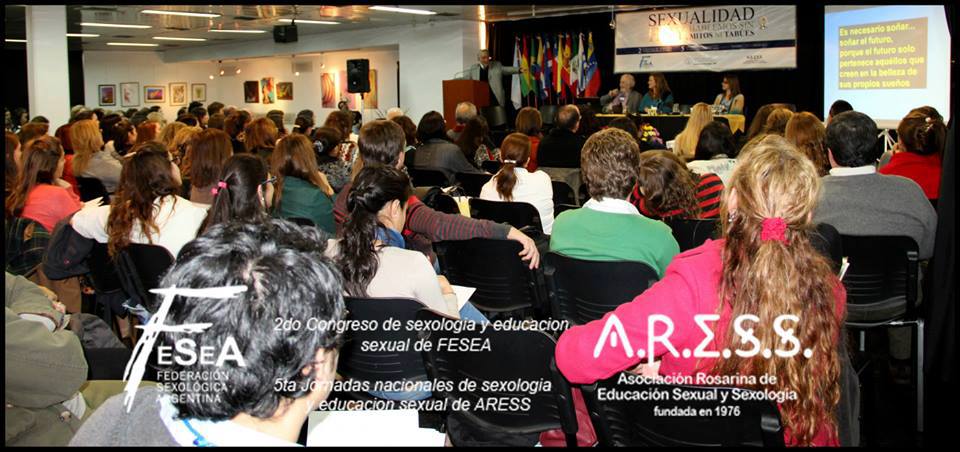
(491, 72)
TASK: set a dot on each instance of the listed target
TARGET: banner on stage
(707, 38)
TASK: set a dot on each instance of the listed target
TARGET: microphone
(458, 74)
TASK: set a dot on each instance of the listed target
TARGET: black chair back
(563, 193)
(446, 204)
(644, 422)
(425, 177)
(92, 188)
(561, 208)
(385, 366)
(511, 356)
(496, 116)
(103, 270)
(504, 282)
(882, 279)
(583, 193)
(581, 291)
(491, 166)
(472, 183)
(301, 221)
(692, 233)
(141, 268)
(518, 214)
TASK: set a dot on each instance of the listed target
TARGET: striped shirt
(709, 189)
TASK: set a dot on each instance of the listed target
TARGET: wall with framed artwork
(198, 92)
(154, 94)
(130, 94)
(108, 95)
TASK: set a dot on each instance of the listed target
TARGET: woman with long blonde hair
(685, 144)
(764, 266)
(89, 159)
(169, 132)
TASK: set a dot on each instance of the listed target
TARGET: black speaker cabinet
(285, 33)
(358, 76)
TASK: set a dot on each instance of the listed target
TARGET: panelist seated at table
(658, 94)
(731, 98)
(623, 100)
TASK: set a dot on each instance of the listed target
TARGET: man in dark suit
(561, 148)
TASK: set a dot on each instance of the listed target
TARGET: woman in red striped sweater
(668, 190)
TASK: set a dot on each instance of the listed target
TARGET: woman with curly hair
(145, 208)
(763, 266)
(668, 189)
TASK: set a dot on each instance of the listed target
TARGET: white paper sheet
(463, 294)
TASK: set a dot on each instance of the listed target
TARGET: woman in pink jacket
(763, 266)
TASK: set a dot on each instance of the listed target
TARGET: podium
(456, 91)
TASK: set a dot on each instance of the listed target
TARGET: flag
(525, 66)
(581, 65)
(575, 67)
(567, 55)
(558, 67)
(535, 66)
(515, 82)
(593, 72)
(548, 68)
(540, 84)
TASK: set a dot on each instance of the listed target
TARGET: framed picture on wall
(130, 94)
(198, 92)
(178, 93)
(108, 94)
(285, 91)
(268, 89)
(154, 94)
(251, 92)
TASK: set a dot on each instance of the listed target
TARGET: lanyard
(200, 441)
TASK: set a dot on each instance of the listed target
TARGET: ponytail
(515, 151)
(235, 197)
(923, 132)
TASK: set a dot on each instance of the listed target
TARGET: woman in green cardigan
(302, 190)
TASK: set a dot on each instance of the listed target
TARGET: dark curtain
(802, 87)
(15, 59)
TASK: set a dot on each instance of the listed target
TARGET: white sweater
(533, 188)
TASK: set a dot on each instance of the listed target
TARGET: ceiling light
(82, 35)
(222, 72)
(297, 73)
(98, 24)
(238, 70)
(132, 44)
(168, 38)
(211, 76)
(215, 30)
(305, 21)
(392, 9)
(178, 13)
(15, 40)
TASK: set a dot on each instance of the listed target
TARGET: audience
(33, 130)
(608, 227)
(214, 108)
(777, 121)
(808, 134)
(685, 144)
(918, 155)
(409, 131)
(475, 143)
(242, 196)
(277, 117)
(188, 119)
(514, 183)
(90, 160)
(147, 131)
(168, 133)
(260, 137)
(302, 190)
(394, 112)
(207, 153)
(464, 113)
(588, 122)
(13, 161)
(714, 152)
(759, 122)
(838, 107)
(277, 262)
(561, 147)
(343, 122)
(763, 266)
(303, 125)
(216, 121)
(234, 126)
(40, 194)
(437, 152)
(202, 117)
(121, 136)
(669, 190)
(381, 143)
(146, 208)
(530, 124)
(625, 124)
(326, 144)
(859, 201)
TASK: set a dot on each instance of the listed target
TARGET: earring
(731, 216)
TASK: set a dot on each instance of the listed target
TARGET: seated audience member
(777, 121)
(234, 125)
(514, 183)
(561, 147)
(145, 208)
(668, 190)
(394, 112)
(39, 193)
(731, 98)
(260, 137)
(764, 266)
(147, 131)
(838, 107)
(608, 227)
(685, 144)
(216, 121)
(286, 276)
(242, 196)
(808, 134)
(277, 117)
(301, 189)
(169, 132)
(33, 130)
(464, 113)
(343, 122)
(625, 124)
(859, 201)
(381, 143)
(588, 122)
(757, 124)
(437, 152)
(475, 142)
(202, 116)
(303, 125)
(181, 147)
(189, 119)
(409, 131)
(13, 160)
(121, 136)
(918, 155)
(530, 124)
(89, 159)
(215, 107)
(715, 148)
(326, 144)
(207, 153)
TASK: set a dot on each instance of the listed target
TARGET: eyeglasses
(269, 181)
